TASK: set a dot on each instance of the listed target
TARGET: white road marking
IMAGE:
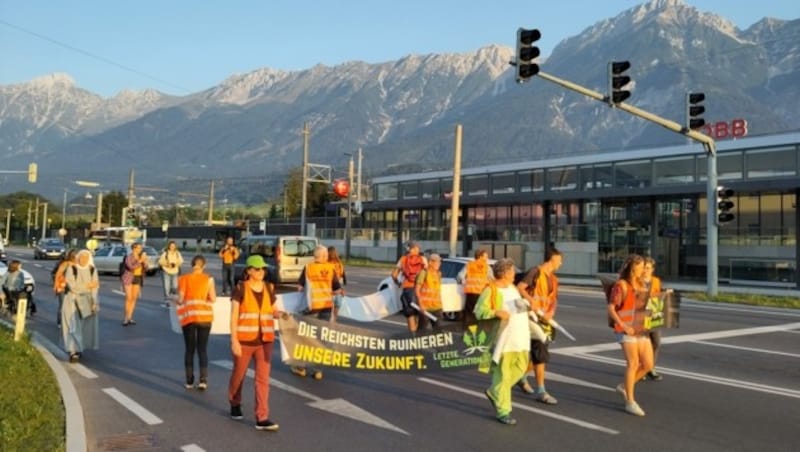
(83, 371)
(520, 406)
(741, 384)
(118, 292)
(37, 265)
(575, 381)
(336, 406)
(679, 339)
(759, 350)
(733, 308)
(140, 411)
(192, 448)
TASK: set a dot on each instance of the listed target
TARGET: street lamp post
(164, 229)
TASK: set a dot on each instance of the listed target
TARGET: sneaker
(74, 357)
(546, 399)
(189, 383)
(236, 412)
(655, 376)
(267, 425)
(633, 408)
(317, 375)
(202, 385)
(525, 386)
(491, 399)
(621, 391)
(507, 419)
(299, 371)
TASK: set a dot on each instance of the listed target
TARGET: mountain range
(402, 113)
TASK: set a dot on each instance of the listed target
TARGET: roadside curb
(75, 430)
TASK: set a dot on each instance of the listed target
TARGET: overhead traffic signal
(617, 80)
(33, 170)
(695, 110)
(526, 53)
(341, 188)
(724, 205)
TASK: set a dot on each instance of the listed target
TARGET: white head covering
(89, 263)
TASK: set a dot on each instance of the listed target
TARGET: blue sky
(181, 46)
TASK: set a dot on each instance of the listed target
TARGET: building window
(677, 170)
(503, 183)
(531, 181)
(477, 185)
(559, 179)
(409, 190)
(586, 177)
(603, 176)
(634, 174)
(429, 189)
(729, 166)
(771, 163)
(387, 192)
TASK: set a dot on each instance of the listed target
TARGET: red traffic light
(341, 188)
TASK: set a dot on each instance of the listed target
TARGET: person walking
(79, 319)
(428, 290)
(540, 288)
(338, 267)
(475, 276)
(501, 300)
(60, 280)
(252, 338)
(229, 253)
(653, 286)
(170, 262)
(628, 295)
(133, 269)
(409, 266)
(319, 279)
(195, 313)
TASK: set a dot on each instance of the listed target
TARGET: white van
(286, 255)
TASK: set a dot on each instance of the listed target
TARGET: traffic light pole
(711, 151)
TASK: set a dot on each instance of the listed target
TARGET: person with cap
(428, 290)
(409, 267)
(252, 338)
(195, 312)
(319, 277)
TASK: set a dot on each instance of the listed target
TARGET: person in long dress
(79, 319)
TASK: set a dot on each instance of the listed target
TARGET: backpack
(59, 280)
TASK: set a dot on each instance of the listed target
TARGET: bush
(31, 410)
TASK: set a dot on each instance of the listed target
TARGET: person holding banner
(428, 290)
(319, 278)
(252, 338)
(628, 295)
(195, 313)
(475, 276)
(540, 288)
(501, 300)
(409, 266)
(653, 285)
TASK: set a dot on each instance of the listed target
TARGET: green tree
(113, 203)
(318, 195)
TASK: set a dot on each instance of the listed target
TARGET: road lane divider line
(84, 371)
(750, 349)
(741, 384)
(734, 308)
(550, 414)
(134, 407)
(587, 349)
(118, 292)
(336, 406)
(192, 448)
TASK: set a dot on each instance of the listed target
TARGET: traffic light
(33, 170)
(724, 205)
(617, 80)
(341, 188)
(695, 110)
(526, 53)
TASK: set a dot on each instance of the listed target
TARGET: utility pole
(454, 200)
(8, 225)
(130, 190)
(306, 133)
(44, 221)
(358, 183)
(211, 203)
(349, 220)
(64, 209)
(28, 232)
(36, 216)
(99, 208)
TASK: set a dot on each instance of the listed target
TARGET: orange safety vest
(476, 277)
(655, 286)
(627, 309)
(493, 295)
(195, 308)
(252, 319)
(430, 291)
(545, 293)
(319, 278)
(411, 266)
(228, 256)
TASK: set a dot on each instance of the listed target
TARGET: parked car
(108, 259)
(3, 255)
(30, 283)
(286, 255)
(49, 249)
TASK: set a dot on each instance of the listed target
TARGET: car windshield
(53, 243)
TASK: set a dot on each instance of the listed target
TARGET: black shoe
(267, 425)
(507, 419)
(655, 376)
(236, 412)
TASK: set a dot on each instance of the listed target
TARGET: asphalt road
(731, 382)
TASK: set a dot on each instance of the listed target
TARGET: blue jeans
(170, 283)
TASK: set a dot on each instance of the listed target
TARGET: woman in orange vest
(653, 284)
(627, 296)
(475, 276)
(252, 338)
(195, 313)
(428, 289)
